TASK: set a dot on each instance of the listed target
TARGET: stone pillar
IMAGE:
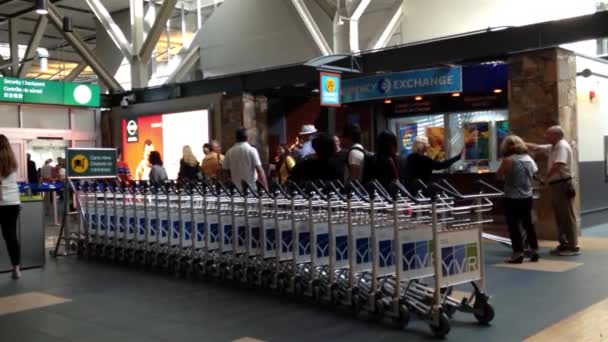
(247, 111)
(542, 93)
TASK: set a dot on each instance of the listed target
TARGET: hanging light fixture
(67, 24)
(41, 7)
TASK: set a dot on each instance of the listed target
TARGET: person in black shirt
(188, 166)
(323, 165)
(32, 174)
(419, 166)
(384, 165)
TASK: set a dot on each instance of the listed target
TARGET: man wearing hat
(307, 133)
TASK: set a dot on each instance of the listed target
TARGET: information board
(330, 89)
(49, 92)
(91, 162)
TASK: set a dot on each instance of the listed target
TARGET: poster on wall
(502, 130)
(477, 141)
(436, 150)
(165, 133)
(407, 135)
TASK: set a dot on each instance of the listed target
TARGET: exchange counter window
(480, 134)
(432, 126)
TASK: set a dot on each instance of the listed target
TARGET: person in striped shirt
(122, 168)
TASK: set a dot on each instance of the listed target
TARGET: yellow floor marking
(543, 265)
(588, 325)
(248, 339)
(28, 301)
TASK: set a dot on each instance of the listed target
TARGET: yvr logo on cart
(416, 255)
(459, 259)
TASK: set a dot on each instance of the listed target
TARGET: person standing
(143, 169)
(285, 164)
(324, 165)
(32, 174)
(158, 174)
(212, 163)
(243, 163)
(10, 204)
(307, 134)
(517, 169)
(560, 177)
(188, 166)
(122, 168)
(419, 166)
(46, 171)
(384, 165)
(351, 138)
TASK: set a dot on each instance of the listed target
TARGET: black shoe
(518, 260)
(534, 256)
(570, 252)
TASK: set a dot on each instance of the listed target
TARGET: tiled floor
(76, 300)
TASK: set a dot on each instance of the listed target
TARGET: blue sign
(406, 83)
(330, 89)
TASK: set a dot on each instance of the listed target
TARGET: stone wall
(246, 111)
(542, 93)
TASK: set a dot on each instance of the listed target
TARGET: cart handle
(247, 187)
(360, 191)
(405, 192)
(381, 191)
(448, 191)
(334, 188)
(319, 192)
(297, 188)
(281, 190)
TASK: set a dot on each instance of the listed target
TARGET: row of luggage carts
(365, 248)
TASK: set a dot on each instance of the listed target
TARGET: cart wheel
(404, 317)
(442, 328)
(484, 314)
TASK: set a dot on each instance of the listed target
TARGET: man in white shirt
(243, 162)
(351, 137)
(560, 179)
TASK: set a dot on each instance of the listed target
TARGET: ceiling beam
(30, 52)
(76, 72)
(312, 27)
(354, 24)
(160, 23)
(77, 27)
(111, 28)
(13, 45)
(79, 45)
(385, 34)
(189, 60)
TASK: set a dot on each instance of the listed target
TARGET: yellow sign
(79, 163)
(330, 85)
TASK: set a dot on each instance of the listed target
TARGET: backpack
(367, 160)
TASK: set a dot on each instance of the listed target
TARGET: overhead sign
(401, 84)
(330, 89)
(49, 92)
(132, 130)
(91, 162)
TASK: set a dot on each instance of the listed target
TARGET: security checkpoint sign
(24, 90)
(91, 163)
(330, 89)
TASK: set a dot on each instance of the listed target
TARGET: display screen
(167, 134)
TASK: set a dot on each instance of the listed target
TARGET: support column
(247, 111)
(139, 70)
(13, 45)
(542, 93)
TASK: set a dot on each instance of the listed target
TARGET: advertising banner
(416, 253)
(49, 92)
(407, 135)
(502, 130)
(91, 163)
(400, 84)
(436, 150)
(477, 141)
(330, 89)
(459, 257)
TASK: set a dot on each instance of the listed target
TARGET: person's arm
(262, 176)
(504, 167)
(355, 159)
(444, 164)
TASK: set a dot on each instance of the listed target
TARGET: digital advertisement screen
(167, 134)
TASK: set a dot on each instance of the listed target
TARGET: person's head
(512, 144)
(324, 146)
(337, 142)
(8, 162)
(421, 144)
(148, 147)
(155, 158)
(241, 135)
(29, 157)
(307, 133)
(206, 149)
(554, 134)
(351, 135)
(188, 156)
(386, 144)
(215, 146)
